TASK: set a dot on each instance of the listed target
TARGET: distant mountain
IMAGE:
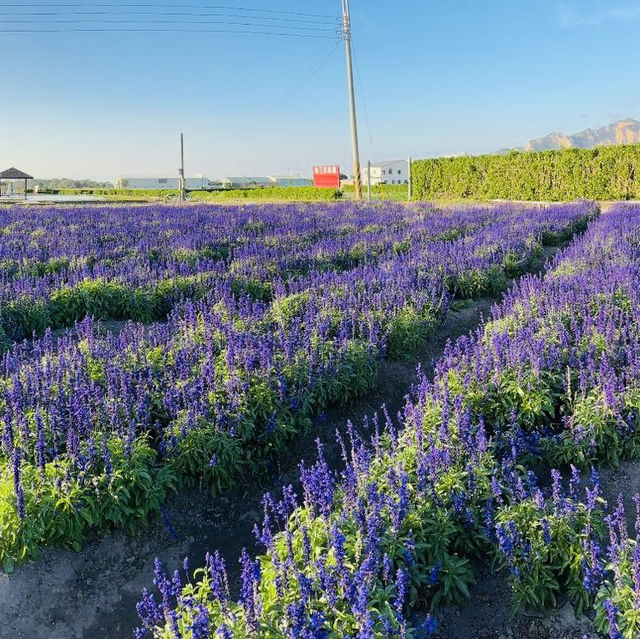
(622, 132)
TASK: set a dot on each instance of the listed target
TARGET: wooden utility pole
(183, 194)
(409, 179)
(346, 29)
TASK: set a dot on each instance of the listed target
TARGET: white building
(198, 182)
(244, 182)
(293, 179)
(192, 183)
(391, 172)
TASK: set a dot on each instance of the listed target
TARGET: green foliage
(285, 308)
(98, 298)
(533, 396)
(395, 192)
(475, 283)
(22, 317)
(542, 564)
(192, 256)
(603, 173)
(106, 192)
(408, 331)
(209, 457)
(61, 510)
(596, 434)
(105, 300)
(622, 592)
(293, 193)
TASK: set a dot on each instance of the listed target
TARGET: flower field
(244, 323)
(58, 266)
(549, 388)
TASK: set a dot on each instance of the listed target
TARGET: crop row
(553, 379)
(124, 263)
(97, 429)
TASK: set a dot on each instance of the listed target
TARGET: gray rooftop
(14, 174)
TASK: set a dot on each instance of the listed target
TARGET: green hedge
(603, 173)
(300, 193)
(309, 193)
(381, 191)
(114, 192)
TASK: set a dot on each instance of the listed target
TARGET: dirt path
(488, 615)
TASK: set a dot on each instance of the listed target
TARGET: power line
(300, 82)
(33, 16)
(165, 6)
(175, 22)
(173, 30)
(168, 13)
(77, 18)
(364, 103)
(196, 11)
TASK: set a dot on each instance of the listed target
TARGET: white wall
(395, 172)
(159, 183)
(388, 172)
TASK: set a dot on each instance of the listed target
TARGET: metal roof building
(244, 182)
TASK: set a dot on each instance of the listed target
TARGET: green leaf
(8, 565)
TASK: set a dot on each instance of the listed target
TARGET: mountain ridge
(625, 131)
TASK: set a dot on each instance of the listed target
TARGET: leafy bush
(603, 173)
(293, 193)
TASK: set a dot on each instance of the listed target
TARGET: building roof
(14, 174)
(247, 180)
(387, 162)
(195, 176)
(291, 176)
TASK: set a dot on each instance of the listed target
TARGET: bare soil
(488, 615)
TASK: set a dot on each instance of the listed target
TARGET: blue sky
(433, 78)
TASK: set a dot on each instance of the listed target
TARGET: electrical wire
(173, 22)
(163, 6)
(301, 81)
(34, 16)
(362, 98)
(172, 30)
(146, 18)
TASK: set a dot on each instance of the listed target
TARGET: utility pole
(183, 195)
(346, 29)
(409, 179)
(369, 181)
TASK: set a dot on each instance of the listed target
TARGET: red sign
(327, 176)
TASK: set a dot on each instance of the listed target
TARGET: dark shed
(15, 174)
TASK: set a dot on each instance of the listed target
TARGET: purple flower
(612, 613)
(402, 583)
(434, 573)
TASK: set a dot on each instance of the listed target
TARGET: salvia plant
(271, 314)
(551, 380)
